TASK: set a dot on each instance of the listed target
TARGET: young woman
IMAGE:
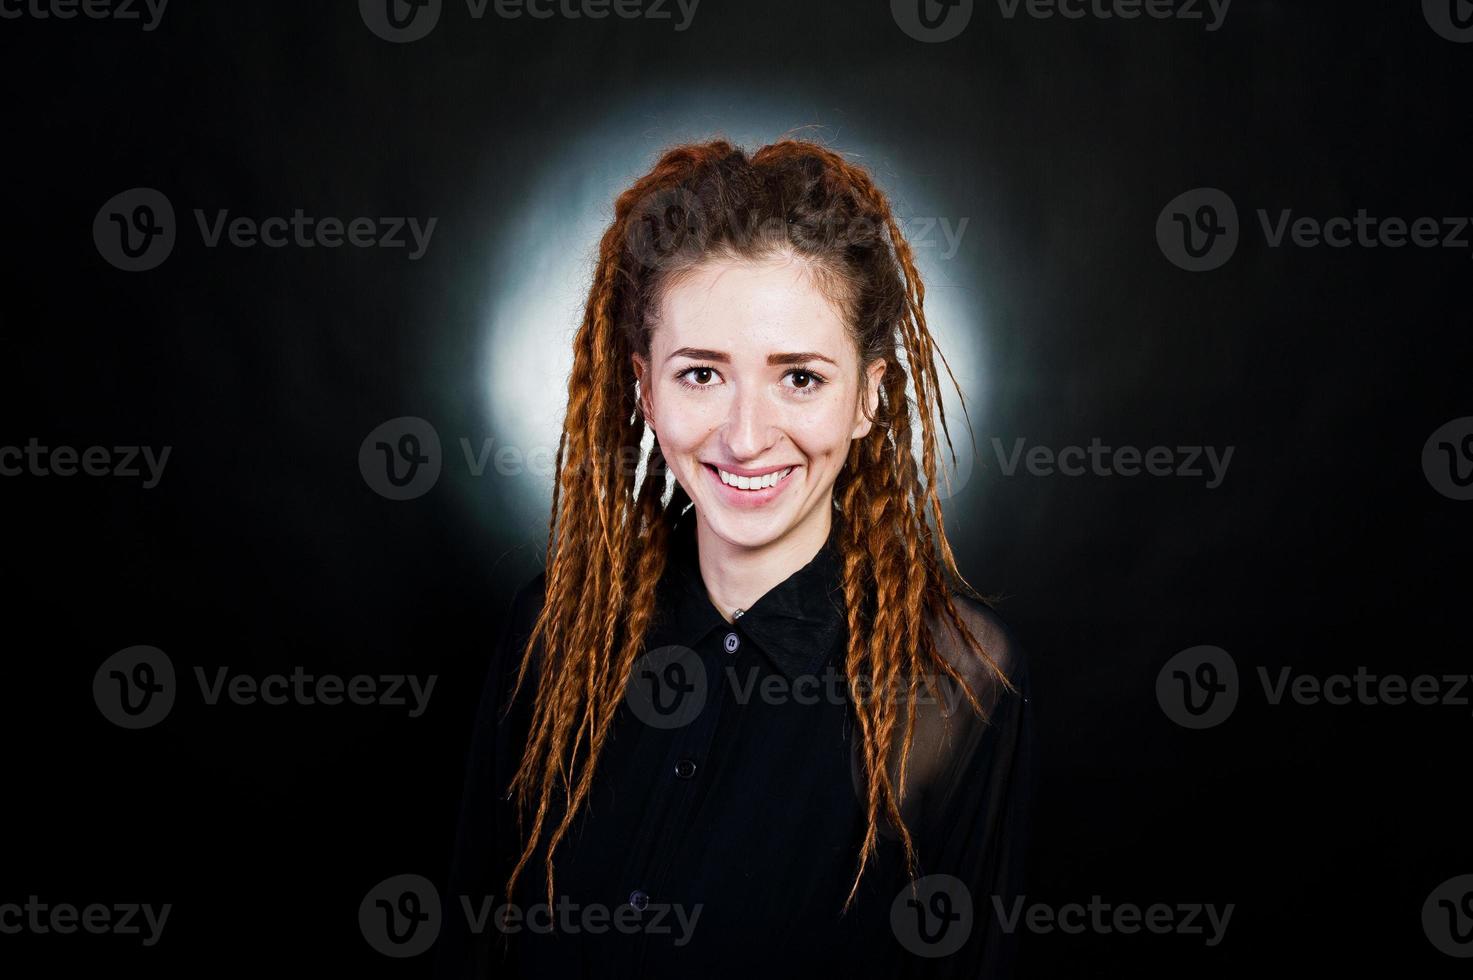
(751, 717)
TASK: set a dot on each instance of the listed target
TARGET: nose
(751, 425)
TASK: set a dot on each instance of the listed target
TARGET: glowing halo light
(543, 268)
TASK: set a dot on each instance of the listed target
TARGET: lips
(748, 481)
(752, 489)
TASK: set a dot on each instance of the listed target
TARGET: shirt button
(639, 899)
(732, 642)
(685, 768)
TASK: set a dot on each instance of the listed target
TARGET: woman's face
(754, 390)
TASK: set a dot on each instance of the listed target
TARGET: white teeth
(752, 482)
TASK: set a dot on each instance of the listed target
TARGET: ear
(869, 398)
(642, 375)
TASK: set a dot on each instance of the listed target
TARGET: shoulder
(527, 600)
(999, 646)
(519, 616)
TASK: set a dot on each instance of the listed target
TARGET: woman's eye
(700, 376)
(806, 381)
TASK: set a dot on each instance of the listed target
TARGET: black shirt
(723, 828)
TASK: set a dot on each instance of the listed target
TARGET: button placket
(693, 742)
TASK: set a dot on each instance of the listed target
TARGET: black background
(262, 548)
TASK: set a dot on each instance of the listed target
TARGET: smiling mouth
(750, 483)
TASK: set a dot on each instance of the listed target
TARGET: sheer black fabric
(724, 826)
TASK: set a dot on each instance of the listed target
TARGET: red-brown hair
(607, 538)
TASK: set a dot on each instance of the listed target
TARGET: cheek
(684, 423)
(822, 430)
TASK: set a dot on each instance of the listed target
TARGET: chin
(743, 530)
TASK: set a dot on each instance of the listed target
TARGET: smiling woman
(652, 738)
(750, 428)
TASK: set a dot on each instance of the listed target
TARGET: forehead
(743, 306)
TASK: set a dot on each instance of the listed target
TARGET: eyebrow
(797, 357)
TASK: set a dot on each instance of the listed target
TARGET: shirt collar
(795, 623)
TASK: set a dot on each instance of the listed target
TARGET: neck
(736, 577)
